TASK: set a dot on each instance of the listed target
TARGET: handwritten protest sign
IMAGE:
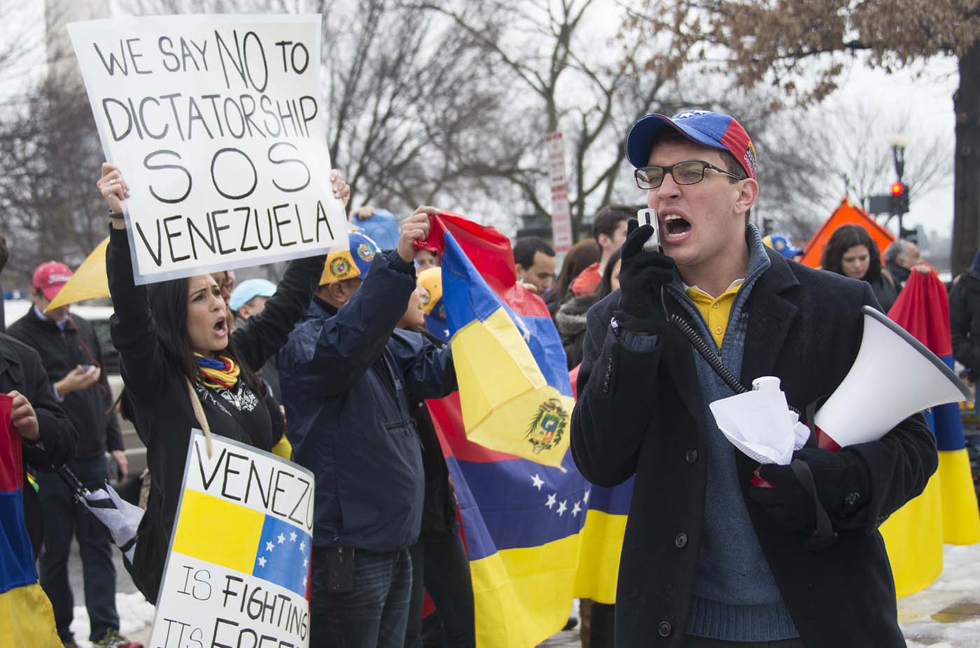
(239, 564)
(216, 125)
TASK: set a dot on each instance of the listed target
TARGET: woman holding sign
(179, 357)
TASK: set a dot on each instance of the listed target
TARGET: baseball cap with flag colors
(352, 262)
(50, 277)
(711, 129)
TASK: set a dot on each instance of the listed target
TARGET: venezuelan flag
(514, 391)
(946, 511)
(241, 538)
(537, 535)
(26, 617)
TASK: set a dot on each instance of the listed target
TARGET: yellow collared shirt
(715, 310)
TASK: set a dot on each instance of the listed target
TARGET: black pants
(701, 642)
(440, 566)
(63, 518)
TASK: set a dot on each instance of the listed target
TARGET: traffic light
(900, 198)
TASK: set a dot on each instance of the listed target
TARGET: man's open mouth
(675, 226)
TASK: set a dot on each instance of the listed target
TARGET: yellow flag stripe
(218, 531)
(961, 518)
(26, 619)
(501, 389)
(914, 540)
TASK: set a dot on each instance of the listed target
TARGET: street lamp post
(899, 142)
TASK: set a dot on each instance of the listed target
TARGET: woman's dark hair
(605, 286)
(581, 256)
(168, 304)
(843, 239)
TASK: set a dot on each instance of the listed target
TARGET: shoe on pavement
(113, 639)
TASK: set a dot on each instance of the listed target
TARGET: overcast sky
(929, 101)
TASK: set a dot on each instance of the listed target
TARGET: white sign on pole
(561, 216)
(239, 564)
(216, 125)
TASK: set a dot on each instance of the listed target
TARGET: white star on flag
(302, 545)
(261, 561)
(585, 498)
(292, 536)
(561, 507)
(576, 509)
(551, 500)
(537, 482)
(304, 581)
(268, 546)
(305, 561)
(281, 538)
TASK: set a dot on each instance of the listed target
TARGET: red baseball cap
(50, 277)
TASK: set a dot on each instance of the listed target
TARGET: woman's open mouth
(220, 328)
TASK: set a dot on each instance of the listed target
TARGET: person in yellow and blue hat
(430, 287)
(348, 378)
(352, 263)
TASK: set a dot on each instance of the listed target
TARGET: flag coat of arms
(513, 386)
(537, 536)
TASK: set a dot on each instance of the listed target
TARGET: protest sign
(216, 125)
(239, 564)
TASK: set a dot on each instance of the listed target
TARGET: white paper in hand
(760, 423)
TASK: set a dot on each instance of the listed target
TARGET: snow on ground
(944, 615)
(947, 613)
(135, 615)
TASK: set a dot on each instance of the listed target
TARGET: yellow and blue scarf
(218, 372)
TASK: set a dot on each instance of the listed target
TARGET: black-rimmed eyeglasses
(684, 173)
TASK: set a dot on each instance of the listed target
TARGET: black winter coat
(570, 321)
(964, 320)
(641, 413)
(157, 388)
(21, 370)
(61, 351)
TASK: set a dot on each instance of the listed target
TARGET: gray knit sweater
(735, 596)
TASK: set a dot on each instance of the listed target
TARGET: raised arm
(132, 328)
(268, 331)
(340, 349)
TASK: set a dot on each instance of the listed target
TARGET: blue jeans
(374, 614)
(440, 566)
(63, 517)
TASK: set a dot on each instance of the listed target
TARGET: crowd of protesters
(336, 360)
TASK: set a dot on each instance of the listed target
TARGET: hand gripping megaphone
(893, 377)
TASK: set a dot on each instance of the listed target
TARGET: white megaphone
(893, 377)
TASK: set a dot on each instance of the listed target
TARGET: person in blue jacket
(348, 379)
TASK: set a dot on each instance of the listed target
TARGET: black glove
(838, 482)
(642, 276)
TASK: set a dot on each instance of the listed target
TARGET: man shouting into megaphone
(709, 558)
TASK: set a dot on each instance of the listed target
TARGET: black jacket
(570, 320)
(158, 391)
(62, 351)
(21, 370)
(641, 413)
(886, 292)
(964, 320)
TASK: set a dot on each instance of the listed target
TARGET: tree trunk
(966, 192)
